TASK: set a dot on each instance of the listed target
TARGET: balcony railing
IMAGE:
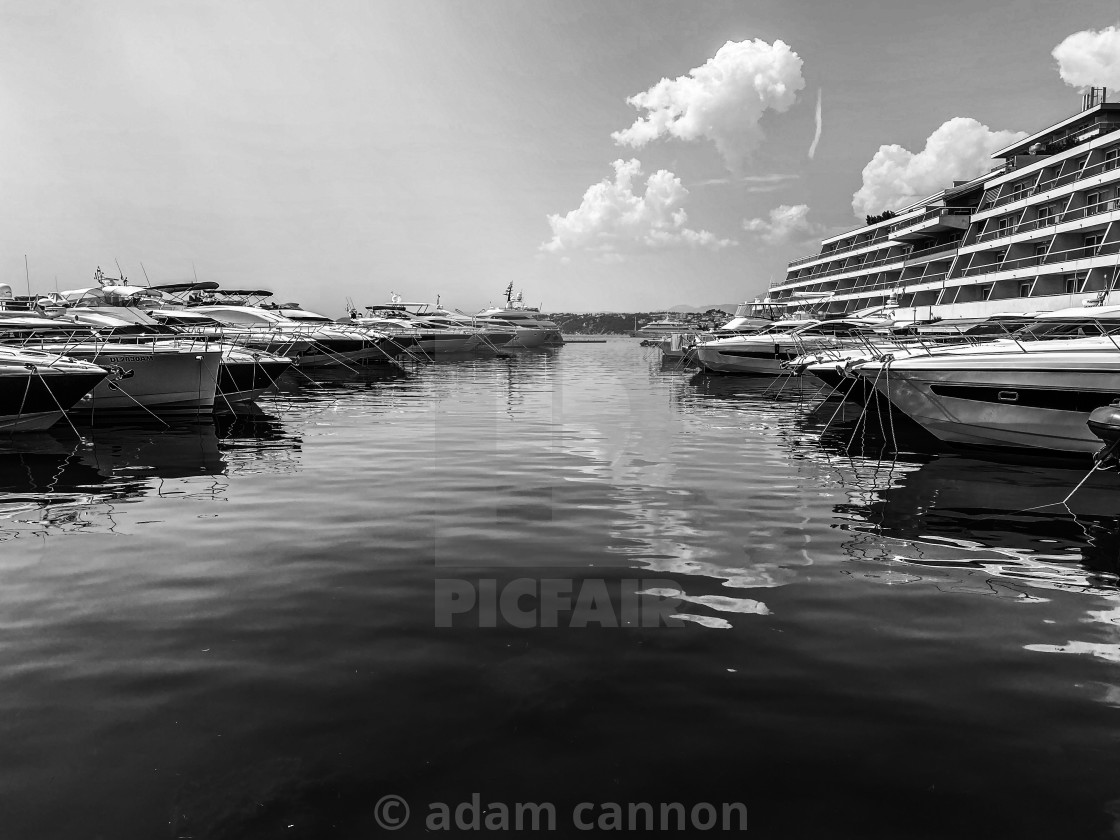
(1052, 184)
(1106, 206)
(932, 249)
(897, 258)
(1084, 252)
(836, 251)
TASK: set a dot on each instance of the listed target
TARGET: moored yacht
(394, 320)
(1034, 390)
(527, 316)
(330, 344)
(769, 351)
(245, 373)
(663, 327)
(175, 376)
(37, 388)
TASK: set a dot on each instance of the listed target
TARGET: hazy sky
(350, 149)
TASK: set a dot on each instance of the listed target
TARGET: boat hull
(527, 339)
(1041, 406)
(156, 380)
(341, 353)
(433, 345)
(245, 380)
(750, 362)
(30, 402)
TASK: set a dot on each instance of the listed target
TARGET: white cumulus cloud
(786, 223)
(722, 101)
(959, 150)
(1090, 58)
(613, 218)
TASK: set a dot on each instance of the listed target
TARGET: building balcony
(1052, 258)
(1050, 185)
(942, 251)
(933, 222)
(1106, 206)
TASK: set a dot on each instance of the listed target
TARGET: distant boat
(666, 326)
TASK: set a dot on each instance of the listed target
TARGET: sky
(600, 155)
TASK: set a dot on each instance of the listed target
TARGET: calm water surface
(227, 631)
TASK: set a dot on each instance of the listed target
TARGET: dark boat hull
(32, 402)
(242, 381)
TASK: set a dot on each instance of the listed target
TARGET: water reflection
(1003, 518)
(54, 481)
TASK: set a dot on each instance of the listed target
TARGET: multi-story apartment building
(1040, 232)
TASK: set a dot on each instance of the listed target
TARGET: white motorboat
(750, 317)
(665, 327)
(530, 317)
(1036, 396)
(148, 373)
(494, 332)
(1034, 390)
(245, 373)
(395, 321)
(769, 351)
(330, 344)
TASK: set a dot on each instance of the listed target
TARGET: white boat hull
(1036, 403)
(737, 359)
(160, 381)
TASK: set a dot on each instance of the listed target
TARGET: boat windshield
(191, 321)
(834, 328)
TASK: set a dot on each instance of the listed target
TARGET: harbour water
(230, 630)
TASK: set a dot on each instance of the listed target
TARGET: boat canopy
(245, 293)
(179, 288)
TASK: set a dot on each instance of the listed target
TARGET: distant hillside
(623, 323)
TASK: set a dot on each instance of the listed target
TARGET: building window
(1024, 290)
(1091, 201)
(986, 291)
(1112, 158)
(1093, 242)
(1075, 283)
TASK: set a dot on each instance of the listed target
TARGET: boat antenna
(120, 271)
(146, 280)
(27, 274)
